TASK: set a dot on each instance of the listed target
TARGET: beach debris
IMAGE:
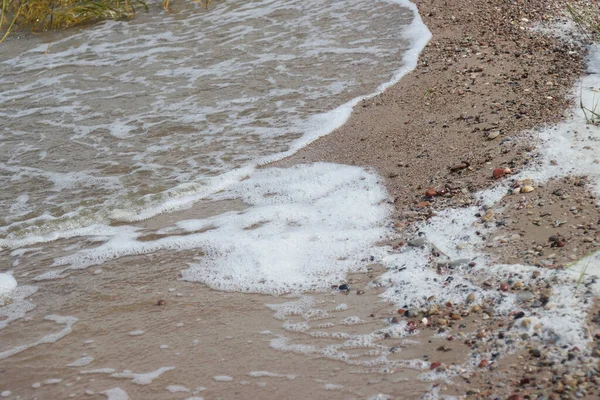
(500, 172)
(360, 292)
(161, 302)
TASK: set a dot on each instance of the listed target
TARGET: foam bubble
(177, 389)
(116, 394)
(223, 378)
(81, 362)
(260, 374)
(142, 378)
(7, 283)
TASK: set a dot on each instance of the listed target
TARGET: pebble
(418, 242)
(161, 302)
(493, 135)
(471, 298)
(525, 296)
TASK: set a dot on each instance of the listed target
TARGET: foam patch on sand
(15, 306)
(142, 378)
(306, 227)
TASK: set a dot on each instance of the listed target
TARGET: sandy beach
(485, 85)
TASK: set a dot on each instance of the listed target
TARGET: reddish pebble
(483, 363)
(450, 338)
(500, 172)
(359, 292)
(431, 192)
(161, 302)
(515, 397)
(401, 311)
(525, 381)
(504, 287)
(434, 365)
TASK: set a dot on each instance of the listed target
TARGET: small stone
(525, 296)
(527, 189)
(518, 285)
(481, 335)
(411, 313)
(504, 287)
(418, 242)
(431, 192)
(570, 381)
(161, 302)
(475, 309)
(500, 172)
(536, 353)
(483, 363)
(488, 216)
(471, 298)
(434, 365)
(518, 315)
(536, 274)
(455, 316)
(360, 292)
(344, 288)
(493, 135)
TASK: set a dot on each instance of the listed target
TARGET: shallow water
(105, 123)
(128, 160)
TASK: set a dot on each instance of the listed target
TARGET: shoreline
(478, 102)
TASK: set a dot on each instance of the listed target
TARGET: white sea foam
(81, 362)
(7, 284)
(116, 394)
(16, 306)
(142, 378)
(306, 227)
(262, 374)
(50, 338)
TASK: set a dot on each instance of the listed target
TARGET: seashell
(527, 189)
(424, 321)
(488, 216)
